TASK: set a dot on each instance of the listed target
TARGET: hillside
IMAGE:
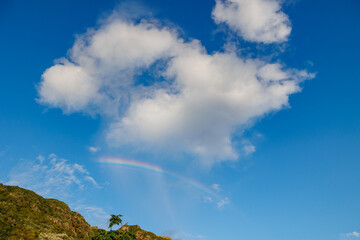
(26, 215)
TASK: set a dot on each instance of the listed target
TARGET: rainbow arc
(156, 169)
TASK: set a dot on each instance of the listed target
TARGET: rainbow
(156, 169)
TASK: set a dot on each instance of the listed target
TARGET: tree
(101, 234)
(115, 220)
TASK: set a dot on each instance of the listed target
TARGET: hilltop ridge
(25, 215)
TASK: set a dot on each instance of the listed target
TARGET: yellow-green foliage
(26, 215)
(126, 232)
(141, 234)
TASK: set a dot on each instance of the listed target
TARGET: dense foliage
(26, 215)
(126, 232)
(113, 235)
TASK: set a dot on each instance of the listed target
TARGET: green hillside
(26, 215)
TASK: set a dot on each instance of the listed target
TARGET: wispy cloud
(95, 215)
(216, 187)
(350, 236)
(223, 202)
(54, 177)
(208, 199)
(247, 147)
(51, 177)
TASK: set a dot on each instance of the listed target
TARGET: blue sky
(253, 106)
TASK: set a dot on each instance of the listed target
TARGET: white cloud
(223, 202)
(101, 65)
(55, 177)
(93, 149)
(254, 20)
(41, 158)
(208, 199)
(52, 178)
(96, 216)
(195, 100)
(216, 187)
(350, 236)
(68, 86)
(120, 45)
(92, 180)
(355, 234)
(214, 95)
(248, 148)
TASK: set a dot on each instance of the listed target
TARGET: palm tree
(115, 220)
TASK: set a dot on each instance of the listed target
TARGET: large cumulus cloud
(193, 101)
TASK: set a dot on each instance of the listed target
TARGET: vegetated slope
(126, 232)
(24, 215)
(141, 234)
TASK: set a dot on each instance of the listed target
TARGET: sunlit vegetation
(24, 215)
